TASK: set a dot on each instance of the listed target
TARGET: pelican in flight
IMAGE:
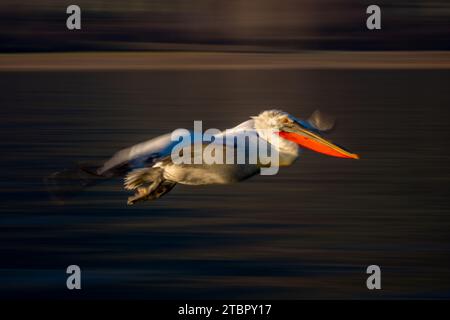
(150, 171)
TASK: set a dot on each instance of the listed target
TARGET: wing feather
(147, 153)
(141, 154)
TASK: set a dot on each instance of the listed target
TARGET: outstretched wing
(321, 122)
(147, 153)
(141, 155)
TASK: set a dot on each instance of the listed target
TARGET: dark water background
(309, 232)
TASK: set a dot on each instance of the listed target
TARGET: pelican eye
(285, 120)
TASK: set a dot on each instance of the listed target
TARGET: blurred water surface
(309, 232)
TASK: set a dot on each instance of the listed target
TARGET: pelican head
(304, 133)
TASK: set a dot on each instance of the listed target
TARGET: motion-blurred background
(309, 232)
(238, 25)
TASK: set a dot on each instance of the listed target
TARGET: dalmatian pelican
(150, 171)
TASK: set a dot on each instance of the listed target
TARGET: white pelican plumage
(150, 171)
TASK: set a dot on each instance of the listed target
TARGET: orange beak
(312, 141)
